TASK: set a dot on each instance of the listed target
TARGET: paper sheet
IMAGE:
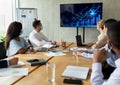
(47, 45)
(87, 55)
(20, 63)
(13, 71)
(55, 54)
(76, 72)
(78, 49)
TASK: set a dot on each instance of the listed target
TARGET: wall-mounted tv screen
(80, 15)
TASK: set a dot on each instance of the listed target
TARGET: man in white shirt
(36, 37)
(100, 55)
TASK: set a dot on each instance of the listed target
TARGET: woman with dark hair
(14, 44)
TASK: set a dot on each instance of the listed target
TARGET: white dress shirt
(38, 38)
(97, 76)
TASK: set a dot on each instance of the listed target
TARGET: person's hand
(13, 60)
(82, 51)
(100, 55)
(32, 50)
(90, 44)
(54, 42)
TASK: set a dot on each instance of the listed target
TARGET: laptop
(79, 41)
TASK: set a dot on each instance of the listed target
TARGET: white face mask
(41, 28)
(105, 33)
(21, 32)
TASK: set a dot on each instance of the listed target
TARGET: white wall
(49, 14)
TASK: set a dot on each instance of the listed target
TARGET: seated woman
(14, 44)
(102, 38)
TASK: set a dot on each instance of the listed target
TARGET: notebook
(34, 62)
(76, 72)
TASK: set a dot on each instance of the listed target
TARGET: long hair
(14, 30)
(101, 24)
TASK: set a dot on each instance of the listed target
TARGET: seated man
(100, 55)
(36, 37)
(8, 62)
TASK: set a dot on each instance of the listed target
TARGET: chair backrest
(78, 40)
(30, 42)
(2, 51)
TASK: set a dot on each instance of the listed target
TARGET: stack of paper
(75, 72)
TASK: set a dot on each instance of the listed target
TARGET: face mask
(41, 28)
(21, 32)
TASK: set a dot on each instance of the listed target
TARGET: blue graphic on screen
(80, 15)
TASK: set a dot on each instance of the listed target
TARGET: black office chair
(2, 51)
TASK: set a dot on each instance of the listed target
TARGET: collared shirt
(97, 76)
(38, 38)
(15, 46)
(111, 56)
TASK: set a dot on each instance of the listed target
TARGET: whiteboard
(26, 17)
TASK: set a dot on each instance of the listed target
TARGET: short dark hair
(114, 34)
(108, 22)
(36, 23)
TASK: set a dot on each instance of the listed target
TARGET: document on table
(76, 72)
(55, 53)
(20, 63)
(78, 49)
(13, 71)
(47, 45)
(41, 49)
(87, 55)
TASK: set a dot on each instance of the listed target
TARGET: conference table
(37, 75)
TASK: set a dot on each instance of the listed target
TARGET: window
(5, 14)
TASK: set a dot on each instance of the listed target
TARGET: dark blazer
(3, 63)
(2, 51)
